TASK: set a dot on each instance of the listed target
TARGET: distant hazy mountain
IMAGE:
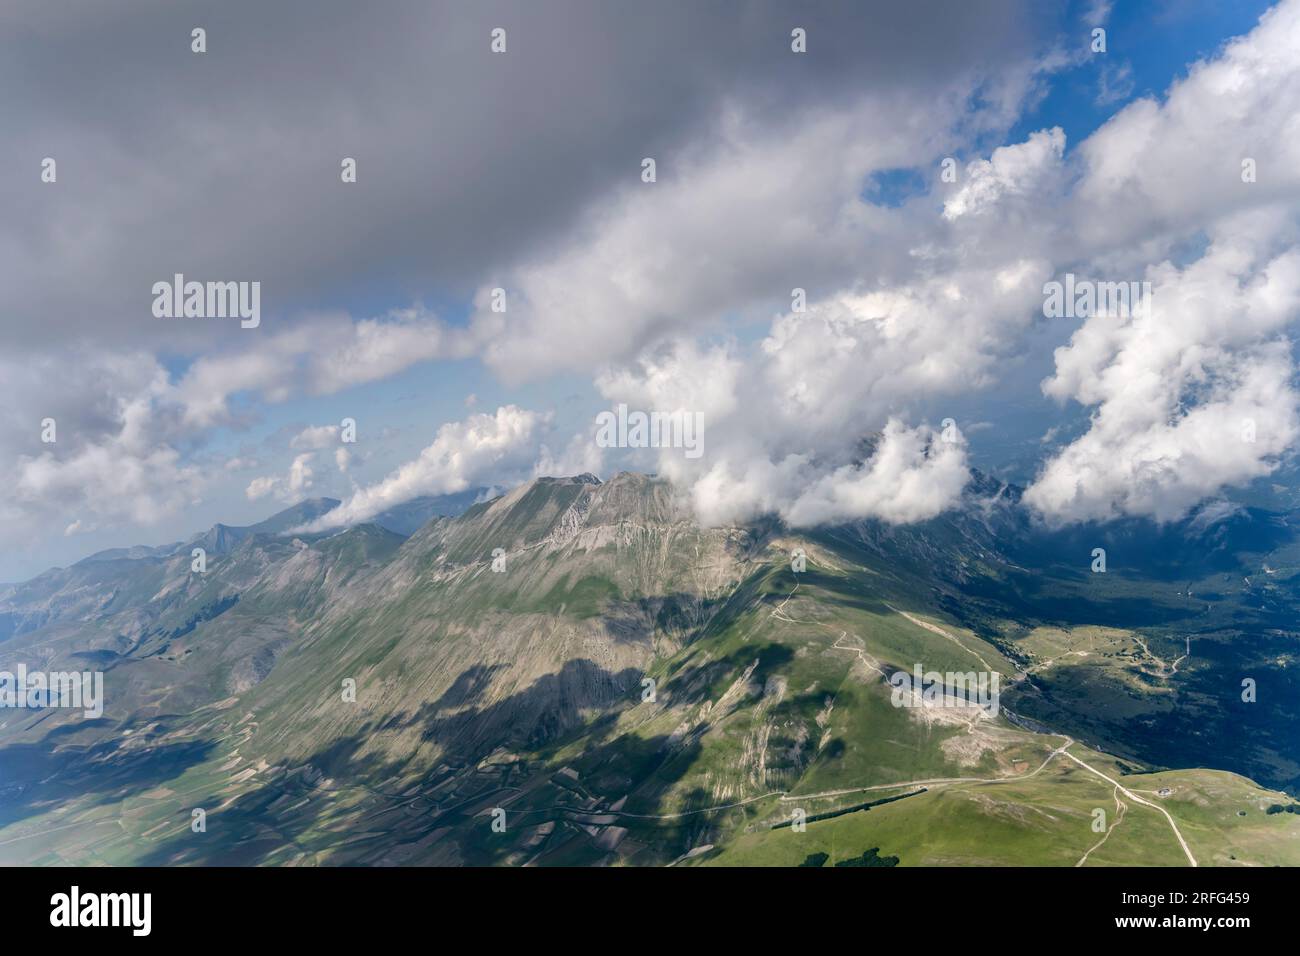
(627, 686)
(133, 553)
(406, 519)
(221, 539)
(101, 580)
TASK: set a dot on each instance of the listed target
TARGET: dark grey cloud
(225, 165)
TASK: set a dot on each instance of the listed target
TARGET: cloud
(581, 455)
(784, 432)
(1098, 13)
(315, 437)
(784, 419)
(856, 357)
(1114, 83)
(477, 450)
(735, 223)
(909, 476)
(465, 164)
(762, 159)
(127, 430)
(901, 303)
(1172, 393)
(118, 453)
(1173, 166)
(670, 295)
(331, 355)
(1194, 397)
(376, 349)
(111, 479)
(260, 487)
(1198, 396)
(290, 487)
(1010, 171)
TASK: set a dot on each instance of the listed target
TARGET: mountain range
(577, 673)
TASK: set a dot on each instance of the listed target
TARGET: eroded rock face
(598, 581)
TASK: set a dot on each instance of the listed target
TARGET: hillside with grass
(576, 673)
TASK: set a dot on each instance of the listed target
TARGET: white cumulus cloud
(476, 450)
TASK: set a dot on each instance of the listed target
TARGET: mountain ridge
(506, 650)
